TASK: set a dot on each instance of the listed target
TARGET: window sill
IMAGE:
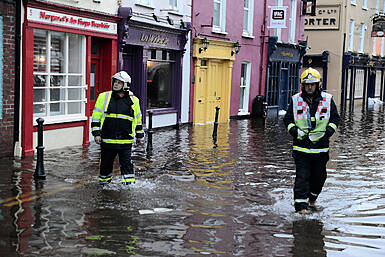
(248, 36)
(354, 4)
(145, 6)
(162, 111)
(176, 13)
(243, 113)
(365, 8)
(58, 120)
(219, 32)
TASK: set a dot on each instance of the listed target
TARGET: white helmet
(124, 77)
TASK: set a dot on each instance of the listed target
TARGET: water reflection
(308, 238)
(193, 198)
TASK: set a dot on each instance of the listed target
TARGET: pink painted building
(231, 77)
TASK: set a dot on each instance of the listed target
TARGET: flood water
(194, 198)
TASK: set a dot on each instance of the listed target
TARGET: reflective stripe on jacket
(123, 122)
(303, 119)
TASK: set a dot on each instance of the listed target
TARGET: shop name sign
(76, 22)
(327, 18)
(154, 39)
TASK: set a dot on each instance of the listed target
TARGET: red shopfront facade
(69, 56)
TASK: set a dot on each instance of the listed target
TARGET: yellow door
(211, 90)
(200, 95)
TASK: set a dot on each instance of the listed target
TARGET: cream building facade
(343, 50)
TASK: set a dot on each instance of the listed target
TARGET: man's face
(118, 85)
(310, 88)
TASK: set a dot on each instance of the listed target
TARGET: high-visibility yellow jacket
(117, 119)
(311, 123)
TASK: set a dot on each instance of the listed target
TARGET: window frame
(363, 29)
(250, 20)
(278, 32)
(65, 117)
(353, 2)
(173, 63)
(222, 17)
(246, 96)
(293, 21)
(351, 35)
(365, 4)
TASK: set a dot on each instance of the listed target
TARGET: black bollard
(39, 171)
(149, 132)
(215, 130)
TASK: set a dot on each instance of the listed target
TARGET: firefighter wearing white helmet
(311, 119)
(116, 121)
(124, 77)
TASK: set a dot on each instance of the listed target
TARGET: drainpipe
(17, 73)
(262, 50)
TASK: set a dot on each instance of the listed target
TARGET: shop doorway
(94, 82)
(211, 91)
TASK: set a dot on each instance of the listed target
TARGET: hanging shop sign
(308, 7)
(70, 21)
(327, 18)
(378, 28)
(278, 17)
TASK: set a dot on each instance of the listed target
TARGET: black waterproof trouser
(310, 177)
(107, 157)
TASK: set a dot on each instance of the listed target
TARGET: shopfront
(64, 51)
(153, 56)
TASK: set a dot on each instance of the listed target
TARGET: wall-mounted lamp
(170, 21)
(155, 17)
(237, 47)
(182, 24)
(205, 44)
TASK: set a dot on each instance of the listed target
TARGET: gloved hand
(294, 131)
(329, 131)
(98, 140)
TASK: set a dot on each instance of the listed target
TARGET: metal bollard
(39, 171)
(215, 130)
(149, 132)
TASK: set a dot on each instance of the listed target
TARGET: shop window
(160, 75)
(58, 91)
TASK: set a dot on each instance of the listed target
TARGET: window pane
(217, 14)
(39, 95)
(57, 52)
(75, 81)
(39, 81)
(75, 54)
(57, 81)
(74, 108)
(39, 50)
(246, 4)
(74, 94)
(39, 110)
(55, 95)
(245, 20)
(241, 97)
(56, 109)
(159, 85)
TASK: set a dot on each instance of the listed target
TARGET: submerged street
(194, 198)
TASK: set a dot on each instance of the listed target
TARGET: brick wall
(8, 17)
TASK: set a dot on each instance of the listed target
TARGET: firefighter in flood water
(116, 120)
(311, 118)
